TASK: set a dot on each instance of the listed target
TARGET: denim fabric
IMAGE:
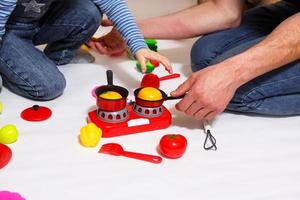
(65, 26)
(274, 93)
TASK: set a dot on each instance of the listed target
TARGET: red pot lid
(5, 155)
(36, 113)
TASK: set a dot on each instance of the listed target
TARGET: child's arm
(120, 15)
(6, 8)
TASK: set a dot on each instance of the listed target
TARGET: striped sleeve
(123, 20)
(6, 8)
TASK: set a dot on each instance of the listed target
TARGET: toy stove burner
(148, 112)
(113, 117)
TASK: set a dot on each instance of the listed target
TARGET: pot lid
(5, 155)
(36, 113)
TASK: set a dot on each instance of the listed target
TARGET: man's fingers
(183, 88)
(210, 116)
(193, 109)
(185, 103)
(202, 113)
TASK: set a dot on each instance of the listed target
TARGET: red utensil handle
(169, 77)
(144, 157)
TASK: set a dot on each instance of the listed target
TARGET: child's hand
(143, 55)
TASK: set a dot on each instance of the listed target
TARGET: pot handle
(174, 98)
(109, 75)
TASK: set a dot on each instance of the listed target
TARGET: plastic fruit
(5, 155)
(8, 134)
(111, 95)
(6, 195)
(172, 146)
(150, 94)
(90, 135)
(149, 67)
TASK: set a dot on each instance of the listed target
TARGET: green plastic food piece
(151, 41)
(149, 67)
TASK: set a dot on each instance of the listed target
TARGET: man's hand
(143, 55)
(208, 92)
(111, 44)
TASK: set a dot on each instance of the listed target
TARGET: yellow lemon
(110, 95)
(150, 94)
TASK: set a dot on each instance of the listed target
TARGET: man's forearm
(204, 18)
(281, 47)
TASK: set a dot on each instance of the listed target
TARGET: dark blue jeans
(34, 74)
(274, 93)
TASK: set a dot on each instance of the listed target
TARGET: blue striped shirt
(116, 10)
(6, 8)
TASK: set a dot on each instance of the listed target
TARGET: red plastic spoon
(117, 150)
(152, 80)
(5, 155)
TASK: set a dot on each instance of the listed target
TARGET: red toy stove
(116, 117)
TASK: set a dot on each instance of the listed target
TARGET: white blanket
(257, 157)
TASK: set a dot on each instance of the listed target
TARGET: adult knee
(202, 53)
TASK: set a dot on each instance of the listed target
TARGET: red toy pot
(111, 105)
(152, 104)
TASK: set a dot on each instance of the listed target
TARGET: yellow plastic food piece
(8, 134)
(150, 94)
(1, 107)
(84, 48)
(110, 95)
(90, 135)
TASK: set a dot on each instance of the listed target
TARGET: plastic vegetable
(6, 195)
(90, 135)
(149, 67)
(5, 155)
(8, 134)
(172, 146)
(152, 44)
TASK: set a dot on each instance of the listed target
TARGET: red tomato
(172, 146)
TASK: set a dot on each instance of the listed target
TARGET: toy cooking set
(116, 117)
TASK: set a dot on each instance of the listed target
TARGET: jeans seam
(63, 54)
(228, 44)
(27, 83)
(255, 90)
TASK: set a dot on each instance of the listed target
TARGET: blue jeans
(274, 93)
(34, 74)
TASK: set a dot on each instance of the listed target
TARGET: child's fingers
(101, 48)
(163, 60)
(166, 63)
(143, 61)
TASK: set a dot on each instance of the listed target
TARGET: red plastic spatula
(5, 155)
(117, 150)
(152, 80)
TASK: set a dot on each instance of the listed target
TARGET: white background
(258, 157)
